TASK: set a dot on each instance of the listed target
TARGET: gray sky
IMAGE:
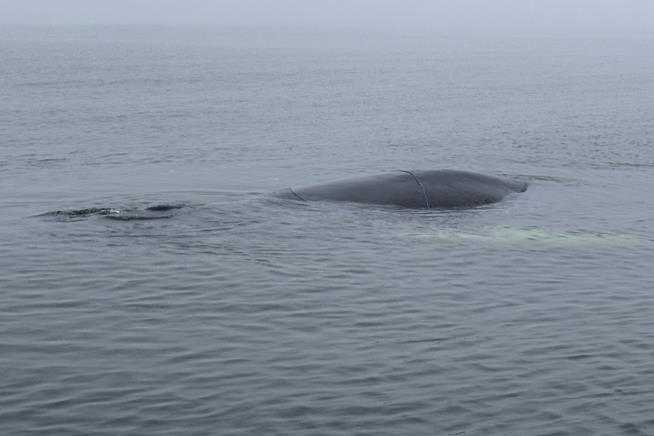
(630, 17)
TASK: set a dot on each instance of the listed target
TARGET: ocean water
(233, 312)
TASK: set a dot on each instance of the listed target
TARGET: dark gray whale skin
(419, 189)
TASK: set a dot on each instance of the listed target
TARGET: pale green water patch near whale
(533, 235)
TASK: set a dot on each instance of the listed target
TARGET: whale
(414, 189)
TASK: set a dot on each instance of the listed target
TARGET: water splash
(126, 214)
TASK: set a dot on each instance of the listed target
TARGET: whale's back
(420, 189)
(452, 188)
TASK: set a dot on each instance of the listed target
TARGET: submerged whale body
(420, 189)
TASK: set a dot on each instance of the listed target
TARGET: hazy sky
(509, 16)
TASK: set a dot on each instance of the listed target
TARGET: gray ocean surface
(235, 312)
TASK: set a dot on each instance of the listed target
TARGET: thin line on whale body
(422, 187)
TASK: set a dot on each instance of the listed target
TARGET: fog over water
(575, 17)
